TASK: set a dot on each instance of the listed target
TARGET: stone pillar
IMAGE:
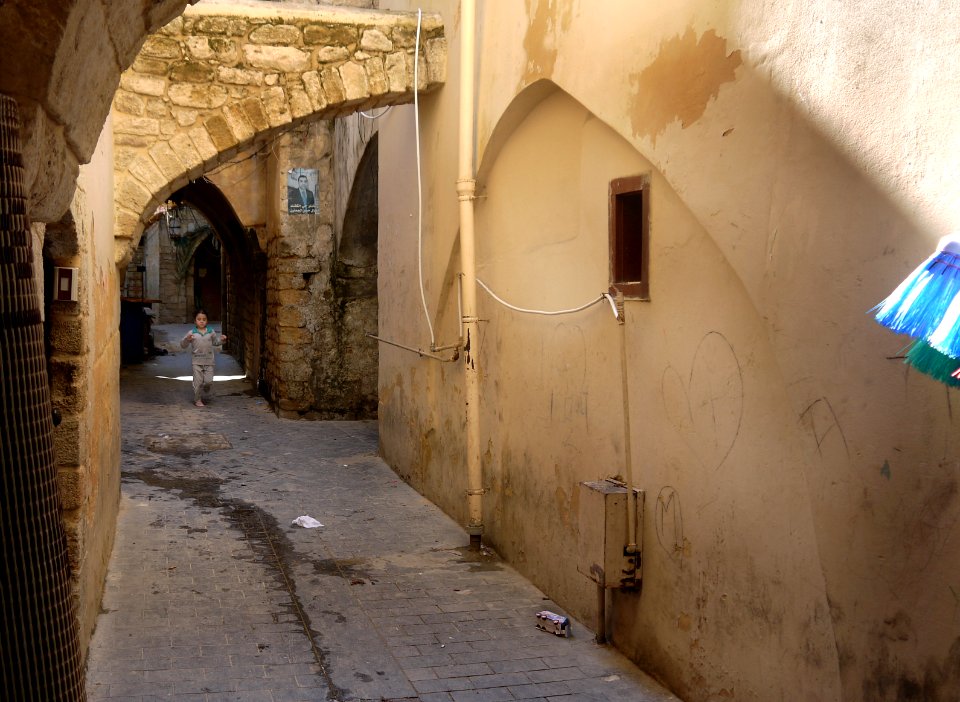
(298, 274)
(38, 627)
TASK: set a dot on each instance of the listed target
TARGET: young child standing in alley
(202, 342)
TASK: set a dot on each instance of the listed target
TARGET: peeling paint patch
(680, 82)
(540, 41)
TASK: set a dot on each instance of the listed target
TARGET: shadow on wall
(815, 244)
(347, 384)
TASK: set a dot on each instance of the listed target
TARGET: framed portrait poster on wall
(302, 191)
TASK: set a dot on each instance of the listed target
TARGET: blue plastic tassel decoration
(945, 338)
(925, 305)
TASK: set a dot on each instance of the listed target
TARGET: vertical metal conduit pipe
(627, 443)
(466, 193)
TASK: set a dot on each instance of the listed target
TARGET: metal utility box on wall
(604, 534)
(65, 284)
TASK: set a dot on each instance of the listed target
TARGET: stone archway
(348, 377)
(245, 271)
(219, 80)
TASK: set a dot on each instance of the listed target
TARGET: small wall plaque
(65, 284)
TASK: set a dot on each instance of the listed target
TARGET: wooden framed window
(630, 237)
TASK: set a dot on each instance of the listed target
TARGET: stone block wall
(133, 279)
(318, 361)
(213, 83)
(246, 283)
(217, 83)
(84, 355)
(175, 308)
(298, 273)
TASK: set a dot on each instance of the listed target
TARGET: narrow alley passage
(213, 594)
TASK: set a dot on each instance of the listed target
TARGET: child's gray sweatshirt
(202, 345)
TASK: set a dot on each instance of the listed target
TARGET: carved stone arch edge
(155, 156)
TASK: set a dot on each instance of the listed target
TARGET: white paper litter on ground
(306, 522)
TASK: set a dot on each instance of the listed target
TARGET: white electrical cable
(613, 305)
(543, 312)
(385, 111)
(423, 296)
(416, 122)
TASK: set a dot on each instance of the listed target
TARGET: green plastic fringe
(929, 361)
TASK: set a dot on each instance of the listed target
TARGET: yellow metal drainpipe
(466, 193)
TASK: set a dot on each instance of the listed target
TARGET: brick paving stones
(213, 595)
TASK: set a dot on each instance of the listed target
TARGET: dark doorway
(207, 280)
(226, 270)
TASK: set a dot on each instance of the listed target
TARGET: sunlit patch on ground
(189, 378)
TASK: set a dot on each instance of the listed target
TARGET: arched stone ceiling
(62, 61)
(220, 79)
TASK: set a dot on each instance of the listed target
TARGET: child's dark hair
(200, 310)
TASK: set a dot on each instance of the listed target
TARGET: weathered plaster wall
(801, 484)
(84, 357)
(705, 395)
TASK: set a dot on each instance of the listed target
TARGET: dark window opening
(630, 237)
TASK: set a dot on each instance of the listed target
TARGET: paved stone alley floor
(212, 593)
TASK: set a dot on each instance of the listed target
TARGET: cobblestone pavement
(212, 594)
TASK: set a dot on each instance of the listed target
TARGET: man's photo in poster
(301, 191)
